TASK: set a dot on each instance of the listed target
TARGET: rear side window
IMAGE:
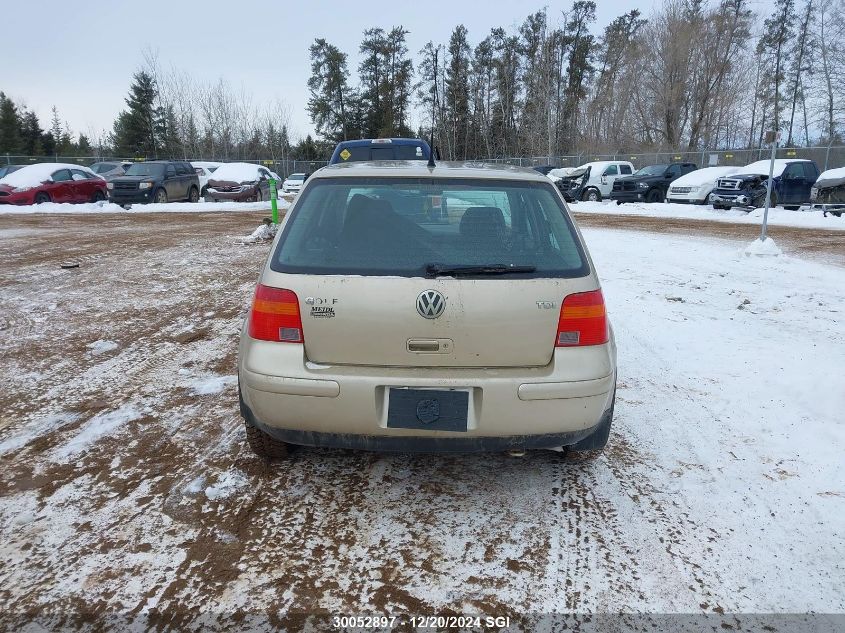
(62, 175)
(400, 226)
(810, 172)
(182, 169)
(625, 169)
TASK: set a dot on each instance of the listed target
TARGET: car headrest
(482, 220)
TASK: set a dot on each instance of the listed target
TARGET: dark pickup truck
(792, 181)
(649, 184)
(155, 181)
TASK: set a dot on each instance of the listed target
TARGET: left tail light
(275, 316)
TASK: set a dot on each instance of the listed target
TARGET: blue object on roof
(380, 149)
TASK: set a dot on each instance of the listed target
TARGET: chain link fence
(283, 167)
(825, 157)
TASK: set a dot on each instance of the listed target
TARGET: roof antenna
(431, 164)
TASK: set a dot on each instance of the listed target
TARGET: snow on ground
(168, 207)
(810, 219)
(721, 490)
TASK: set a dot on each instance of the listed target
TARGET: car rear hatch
(402, 272)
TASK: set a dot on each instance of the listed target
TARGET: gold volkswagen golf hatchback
(406, 307)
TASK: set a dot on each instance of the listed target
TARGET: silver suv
(410, 308)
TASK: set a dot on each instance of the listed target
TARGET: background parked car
(110, 169)
(649, 184)
(51, 182)
(792, 181)
(5, 170)
(204, 169)
(241, 182)
(828, 194)
(695, 187)
(590, 181)
(294, 183)
(543, 169)
(380, 149)
(155, 181)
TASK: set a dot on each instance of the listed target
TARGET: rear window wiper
(436, 270)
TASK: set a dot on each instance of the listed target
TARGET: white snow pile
(168, 207)
(34, 175)
(212, 384)
(703, 176)
(805, 218)
(236, 172)
(101, 347)
(761, 167)
(763, 248)
(97, 427)
(228, 484)
(832, 176)
(264, 232)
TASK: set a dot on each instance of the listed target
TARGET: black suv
(649, 184)
(156, 181)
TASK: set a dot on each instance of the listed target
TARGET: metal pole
(769, 190)
(274, 194)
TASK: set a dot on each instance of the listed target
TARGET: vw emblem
(428, 411)
(430, 304)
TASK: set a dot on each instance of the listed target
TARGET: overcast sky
(81, 56)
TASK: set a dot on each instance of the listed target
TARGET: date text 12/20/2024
(342, 622)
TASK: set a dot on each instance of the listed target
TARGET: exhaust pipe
(516, 453)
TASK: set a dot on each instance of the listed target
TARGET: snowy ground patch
(207, 385)
(229, 483)
(95, 429)
(811, 219)
(102, 347)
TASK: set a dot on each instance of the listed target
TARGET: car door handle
(430, 346)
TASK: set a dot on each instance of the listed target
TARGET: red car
(51, 182)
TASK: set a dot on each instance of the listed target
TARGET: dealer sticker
(322, 312)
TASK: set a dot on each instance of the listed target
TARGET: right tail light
(583, 320)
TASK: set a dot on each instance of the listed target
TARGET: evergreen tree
(330, 93)
(773, 46)
(138, 129)
(372, 73)
(31, 135)
(457, 91)
(83, 146)
(10, 126)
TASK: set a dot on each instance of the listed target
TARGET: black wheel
(591, 195)
(258, 196)
(41, 197)
(263, 445)
(98, 196)
(654, 196)
(618, 202)
(204, 191)
(194, 196)
(161, 196)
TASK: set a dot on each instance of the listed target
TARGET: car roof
(419, 169)
(364, 142)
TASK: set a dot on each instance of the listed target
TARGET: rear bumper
(427, 444)
(346, 406)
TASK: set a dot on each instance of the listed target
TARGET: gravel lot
(127, 488)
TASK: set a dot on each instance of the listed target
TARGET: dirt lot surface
(127, 488)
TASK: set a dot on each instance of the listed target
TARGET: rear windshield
(401, 227)
(384, 151)
(296, 177)
(145, 169)
(101, 168)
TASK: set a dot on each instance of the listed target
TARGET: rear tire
(194, 195)
(264, 445)
(98, 196)
(258, 196)
(41, 197)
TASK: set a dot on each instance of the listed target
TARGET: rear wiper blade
(435, 270)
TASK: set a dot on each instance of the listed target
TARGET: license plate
(428, 409)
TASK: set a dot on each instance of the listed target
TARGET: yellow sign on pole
(345, 154)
